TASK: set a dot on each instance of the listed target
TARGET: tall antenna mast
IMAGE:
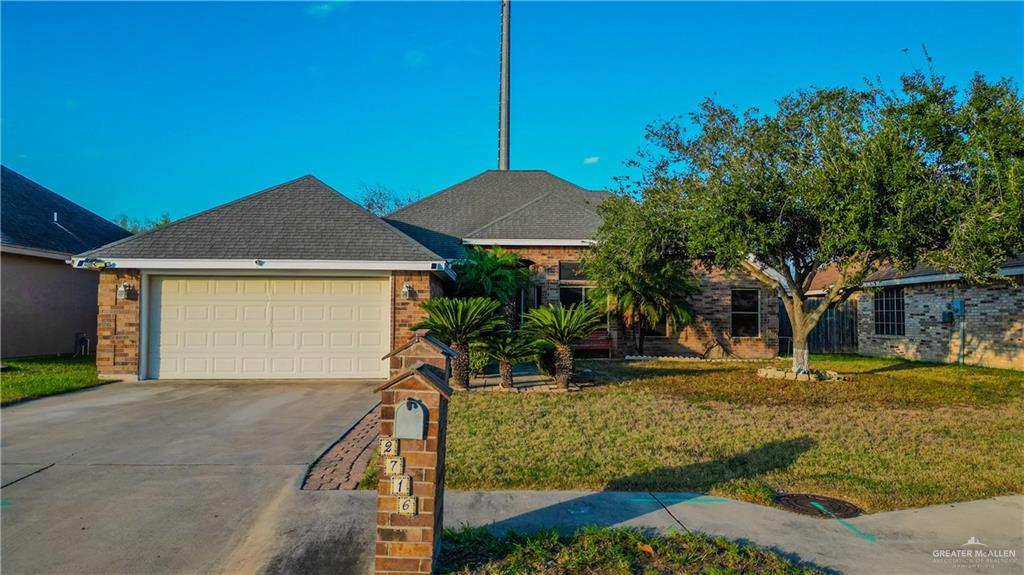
(503, 92)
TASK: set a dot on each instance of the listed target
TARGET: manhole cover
(802, 503)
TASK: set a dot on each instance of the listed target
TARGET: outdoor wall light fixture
(125, 290)
(407, 291)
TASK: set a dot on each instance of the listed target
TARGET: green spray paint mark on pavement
(845, 524)
(5, 503)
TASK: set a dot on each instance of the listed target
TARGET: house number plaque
(394, 466)
(388, 447)
(407, 506)
(401, 485)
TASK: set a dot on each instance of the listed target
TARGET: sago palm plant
(495, 273)
(460, 322)
(508, 349)
(561, 327)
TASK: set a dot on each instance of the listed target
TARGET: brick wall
(544, 265)
(117, 325)
(407, 313)
(993, 325)
(711, 330)
(712, 306)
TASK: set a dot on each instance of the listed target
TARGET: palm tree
(561, 327)
(648, 306)
(460, 322)
(508, 349)
(495, 273)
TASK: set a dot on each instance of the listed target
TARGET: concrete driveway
(164, 477)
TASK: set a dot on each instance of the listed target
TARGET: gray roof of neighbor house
(501, 204)
(26, 218)
(303, 219)
(924, 273)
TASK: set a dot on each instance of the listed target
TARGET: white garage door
(231, 328)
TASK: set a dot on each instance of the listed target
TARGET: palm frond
(461, 321)
(561, 326)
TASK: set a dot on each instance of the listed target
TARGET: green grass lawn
(31, 378)
(602, 551)
(900, 434)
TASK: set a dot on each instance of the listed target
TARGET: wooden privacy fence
(836, 331)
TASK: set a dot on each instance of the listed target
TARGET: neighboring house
(297, 281)
(551, 223)
(930, 315)
(47, 307)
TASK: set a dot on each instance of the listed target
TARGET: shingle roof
(891, 273)
(26, 218)
(299, 220)
(501, 204)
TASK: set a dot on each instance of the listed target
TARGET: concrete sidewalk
(333, 531)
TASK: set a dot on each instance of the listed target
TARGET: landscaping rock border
(695, 359)
(777, 373)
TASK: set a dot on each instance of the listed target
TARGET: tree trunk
(801, 359)
(798, 316)
(460, 366)
(505, 368)
(638, 335)
(563, 366)
(508, 309)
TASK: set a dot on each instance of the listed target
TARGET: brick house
(297, 281)
(930, 315)
(551, 222)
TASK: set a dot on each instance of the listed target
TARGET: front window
(568, 296)
(889, 316)
(569, 271)
(746, 313)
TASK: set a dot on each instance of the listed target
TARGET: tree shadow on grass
(901, 366)
(629, 501)
(706, 475)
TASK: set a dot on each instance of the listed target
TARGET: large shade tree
(850, 179)
(640, 261)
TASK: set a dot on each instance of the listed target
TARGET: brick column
(410, 492)
(422, 348)
(117, 324)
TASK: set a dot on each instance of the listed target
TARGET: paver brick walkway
(343, 465)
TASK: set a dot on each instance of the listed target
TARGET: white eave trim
(260, 264)
(933, 278)
(35, 252)
(522, 242)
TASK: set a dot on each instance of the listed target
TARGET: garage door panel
(269, 328)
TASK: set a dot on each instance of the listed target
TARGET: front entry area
(200, 327)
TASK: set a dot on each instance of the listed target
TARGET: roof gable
(304, 219)
(27, 218)
(502, 199)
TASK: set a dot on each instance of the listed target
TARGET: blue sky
(144, 108)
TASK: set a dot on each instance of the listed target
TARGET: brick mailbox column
(413, 427)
